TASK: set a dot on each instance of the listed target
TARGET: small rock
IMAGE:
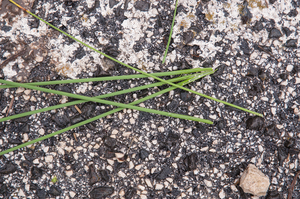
(245, 47)
(142, 5)
(289, 143)
(26, 164)
(54, 191)
(273, 195)
(164, 173)
(4, 190)
(101, 192)
(109, 142)
(144, 154)
(253, 181)
(185, 96)
(282, 154)
(272, 131)
(130, 193)
(208, 183)
(41, 193)
(104, 175)
(112, 3)
(258, 26)
(8, 168)
(246, 15)
(291, 43)
(275, 33)
(187, 37)
(36, 172)
(190, 162)
(93, 177)
(255, 123)
(222, 194)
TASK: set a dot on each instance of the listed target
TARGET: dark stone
(291, 43)
(36, 172)
(272, 1)
(17, 140)
(41, 193)
(187, 37)
(284, 76)
(33, 23)
(8, 168)
(79, 53)
(142, 5)
(88, 109)
(111, 51)
(6, 28)
(93, 177)
(54, 191)
(293, 13)
(119, 165)
(101, 192)
(63, 88)
(245, 47)
(144, 154)
(205, 1)
(190, 162)
(163, 174)
(195, 133)
(262, 75)
(290, 143)
(273, 195)
(112, 3)
(275, 33)
(104, 175)
(4, 190)
(286, 31)
(109, 142)
(24, 128)
(255, 123)
(76, 119)
(185, 96)
(130, 193)
(252, 72)
(282, 154)
(258, 26)
(173, 137)
(60, 120)
(26, 164)
(255, 89)
(272, 131)
(173, 105)
(246, 15)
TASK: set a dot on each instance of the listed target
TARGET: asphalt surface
(130, 154)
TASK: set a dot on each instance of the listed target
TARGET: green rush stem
(102, 115)
(140, 71)
(170, 36)
(186, 117)
(98, 97)
(110, 78)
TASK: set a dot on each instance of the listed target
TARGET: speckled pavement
(255, 47)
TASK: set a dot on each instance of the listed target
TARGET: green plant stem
(186, 117)
(170, 36)
(98, 97)
(137, 70)
(102, 115)
(110, 78)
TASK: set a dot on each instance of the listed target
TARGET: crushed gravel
(255, 47)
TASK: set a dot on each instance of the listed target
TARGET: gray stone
(254, 181)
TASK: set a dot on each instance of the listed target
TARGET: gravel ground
(253, 44)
